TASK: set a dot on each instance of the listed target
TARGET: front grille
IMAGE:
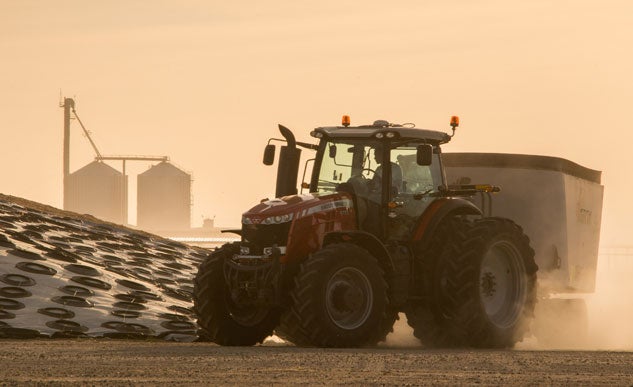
(258, 236)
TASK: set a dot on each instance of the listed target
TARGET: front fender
(365, 240)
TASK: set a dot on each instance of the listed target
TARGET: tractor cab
(392, 171)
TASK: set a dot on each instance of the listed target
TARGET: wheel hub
(503, 284)
(488, 284)
(346, 298)
(349, 298)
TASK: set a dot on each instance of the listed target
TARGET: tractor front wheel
(219, 319)
(339, 300)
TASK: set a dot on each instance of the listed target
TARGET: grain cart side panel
(558, 203)
(584, 212)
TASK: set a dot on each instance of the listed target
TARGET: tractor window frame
(357, 162)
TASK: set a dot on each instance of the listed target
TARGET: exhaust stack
(289, 158)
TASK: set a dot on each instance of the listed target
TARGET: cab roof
(370, 131)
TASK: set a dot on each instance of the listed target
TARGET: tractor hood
(288, 208)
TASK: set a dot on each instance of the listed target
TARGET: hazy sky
(206, 82)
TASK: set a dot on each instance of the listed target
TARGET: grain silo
(164, 198)
(99, 190)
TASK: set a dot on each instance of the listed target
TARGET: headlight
(278, 219)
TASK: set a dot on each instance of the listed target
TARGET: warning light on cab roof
(346, 121)
(454, 121)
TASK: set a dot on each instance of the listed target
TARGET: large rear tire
(479, 283)
(221, 321)
(488, 284)
(339, 300)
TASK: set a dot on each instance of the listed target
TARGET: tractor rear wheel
(339, 300)
(219, 319)
(487, 282)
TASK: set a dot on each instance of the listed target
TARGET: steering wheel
(366, 170)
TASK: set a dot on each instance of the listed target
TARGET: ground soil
(123, 362)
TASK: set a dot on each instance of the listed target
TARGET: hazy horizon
(206, 83)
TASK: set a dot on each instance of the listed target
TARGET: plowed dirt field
(123, 362)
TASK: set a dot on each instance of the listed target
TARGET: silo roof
(97, 167)
(164, 168)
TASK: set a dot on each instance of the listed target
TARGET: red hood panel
(296, 204)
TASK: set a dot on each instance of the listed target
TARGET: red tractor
(380, 232)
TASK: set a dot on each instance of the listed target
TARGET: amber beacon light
(454, 121)
(346, 121)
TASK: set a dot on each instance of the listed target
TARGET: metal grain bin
(164, 198)
(99, 190)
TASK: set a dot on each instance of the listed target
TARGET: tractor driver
(396, 174)
(373, 219)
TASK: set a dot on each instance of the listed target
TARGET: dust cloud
(602, 320)
(608, 322)
(402, 335)
(611, 308)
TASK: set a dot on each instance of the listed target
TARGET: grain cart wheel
(488, 284)
(219, 319)
(339, 300)
(426, 317)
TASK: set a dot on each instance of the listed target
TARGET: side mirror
(269, 154)
(332, 151)
(424, 155)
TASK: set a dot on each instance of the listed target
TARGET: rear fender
(439, 210)
(365, 240)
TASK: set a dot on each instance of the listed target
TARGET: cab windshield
(362, 160)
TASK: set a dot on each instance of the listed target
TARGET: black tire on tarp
(340, 299)
(212, 304)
